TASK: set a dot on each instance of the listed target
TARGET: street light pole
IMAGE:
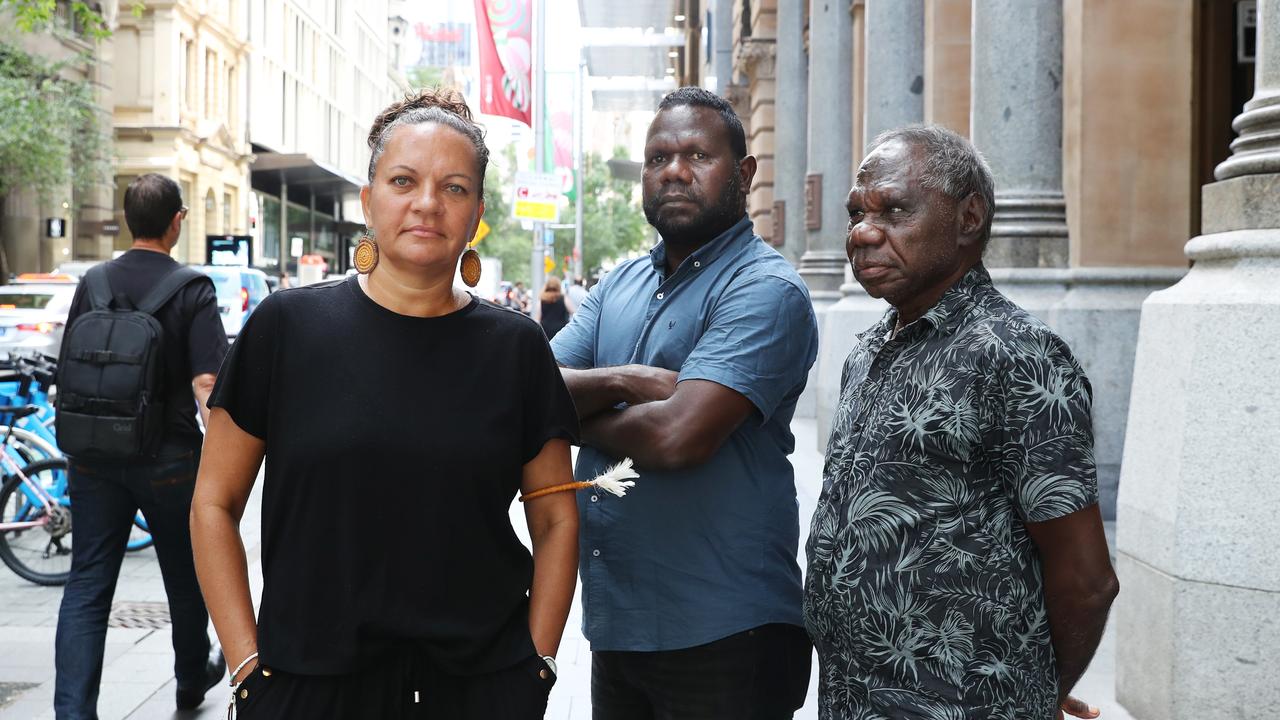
(579, 165)
(539, 77)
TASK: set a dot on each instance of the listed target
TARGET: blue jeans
(104, 498)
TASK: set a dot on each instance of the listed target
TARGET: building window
(190, 75)
(210, 83)
(184, 237)
(183, 85)
(270, 225)
(233, 103)
(227, 206)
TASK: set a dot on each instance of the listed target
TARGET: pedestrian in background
(690, 360)
(522, 297)
(108, 488)
(394, 387)
(957, 562)
(552, 312)
(575, 294)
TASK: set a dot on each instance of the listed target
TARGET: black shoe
(190, 698)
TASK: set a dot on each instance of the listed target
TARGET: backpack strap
(169, 286)
(98, 287)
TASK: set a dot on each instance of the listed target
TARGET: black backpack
(111, 399)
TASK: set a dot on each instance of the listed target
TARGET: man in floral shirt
(957, 563)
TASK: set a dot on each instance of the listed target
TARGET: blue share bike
(35, 517)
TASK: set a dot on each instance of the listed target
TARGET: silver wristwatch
(551, 663)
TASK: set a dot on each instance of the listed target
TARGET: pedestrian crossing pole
(578, 165)
(539, 77)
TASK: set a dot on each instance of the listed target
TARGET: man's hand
(683, 431)
(643, 384)
(599, 389)
(1076, 707)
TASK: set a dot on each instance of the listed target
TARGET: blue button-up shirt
(695, 555)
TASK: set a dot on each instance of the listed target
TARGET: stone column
(1197, 629)
(894, 96)
(895, 61)
(791, 109)
(829, 150)
(1016, 121)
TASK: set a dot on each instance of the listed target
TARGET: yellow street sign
(539, 211)
(481, 231)
(549, 264)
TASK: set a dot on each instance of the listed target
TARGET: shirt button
(595, 498)
(595, 553)
(659, 296)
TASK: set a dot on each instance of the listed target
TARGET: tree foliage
(506, 241)
(38, 15)
(613, 224)
(50, 131)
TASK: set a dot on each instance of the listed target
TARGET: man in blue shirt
(690, 361)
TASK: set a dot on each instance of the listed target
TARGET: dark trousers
(400, 688)
(104, 499)
(759, 674)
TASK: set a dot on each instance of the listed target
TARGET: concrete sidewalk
(138, 680)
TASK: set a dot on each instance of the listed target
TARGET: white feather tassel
(616, 479)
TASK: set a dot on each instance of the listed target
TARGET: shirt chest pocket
(669, 341)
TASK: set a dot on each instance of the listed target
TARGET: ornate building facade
(180, 108)
(1099, 119)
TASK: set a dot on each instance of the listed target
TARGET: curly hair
(433, 105)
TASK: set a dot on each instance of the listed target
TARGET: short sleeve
(575, 345)
(549, 412)
(761, 340)
(243, 388)
(1047, 453)
(207, 339)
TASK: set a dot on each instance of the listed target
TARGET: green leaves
(38, 15)
(614, 226)
(50, 131)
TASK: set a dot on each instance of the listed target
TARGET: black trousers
(401, 688)
(759, 674)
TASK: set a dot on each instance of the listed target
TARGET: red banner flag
(505, 28)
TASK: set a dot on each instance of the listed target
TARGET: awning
(301, 169)
(630, 47)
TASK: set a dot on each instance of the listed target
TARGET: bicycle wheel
(139, 535)
(40, 554)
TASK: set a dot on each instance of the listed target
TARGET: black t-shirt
(194, 339)
(394, 448)
(554, 317)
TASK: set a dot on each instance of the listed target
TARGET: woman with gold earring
(448, 405)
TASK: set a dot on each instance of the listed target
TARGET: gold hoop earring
(470, 269)
(366, 254)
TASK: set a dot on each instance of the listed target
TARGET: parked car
(76, 268)
(240, 290)
(33, 313)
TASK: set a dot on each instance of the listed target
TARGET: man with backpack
(139, 357)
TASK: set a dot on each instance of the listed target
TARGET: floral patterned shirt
(924, 593)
